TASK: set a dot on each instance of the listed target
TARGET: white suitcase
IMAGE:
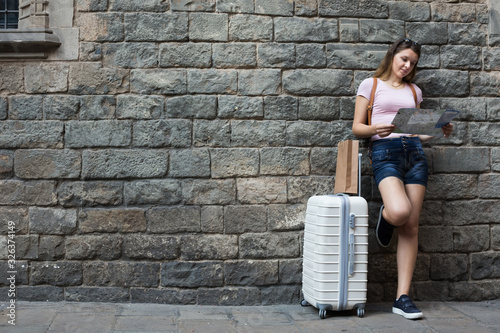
(335, 256)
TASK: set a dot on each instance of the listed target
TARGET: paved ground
(37, 317)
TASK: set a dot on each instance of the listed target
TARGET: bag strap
(414, 93)
(369, 108)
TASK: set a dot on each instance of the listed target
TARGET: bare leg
(408, 240)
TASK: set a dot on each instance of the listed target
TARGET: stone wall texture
(171, 162)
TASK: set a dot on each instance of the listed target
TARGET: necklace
(395, 86)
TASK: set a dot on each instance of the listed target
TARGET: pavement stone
(75, 317)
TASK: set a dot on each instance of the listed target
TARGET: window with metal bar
(9, 14)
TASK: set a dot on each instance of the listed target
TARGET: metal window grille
(9, 14)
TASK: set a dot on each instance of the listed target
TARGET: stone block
(290, 271)
(250, 28)
(495, 159)
(452, 187)
(92, 78)
(300, 189)
(229, 296)
(212, 219)
(448, 12)
(47, 164)
(353, 8)
(284, 161)
(6, 164)
(100, 27)
(139, 6)
(492, 107)
(380, 31)
(306, 7)
(121, 274)
(240, 107)
(26, 107)
(162, 133)
(461, 57)
(197, 55)
(90, 51)
(212, 81)
(91, 5)
(112, 220)
(436, 239)
(234, 55)
(153, 192)
(192, 274)
(156, 27)
(299, 29)
(274, 7)
(26, 247)
(259, 82)
(40, 294)
(236, 162)
(484, 84)
(485, 265)
(46, 78)
(193, 6)
(323, 161)
(158, 81)
(14, 192)
(19, 216)
(95, 294)
(471, 238)
(235, 6)
(280, 107)
(443, 83)
(139, 107)
(90, 193)
(269, 246)
(171, 220)
(319, 108)
(21, 266)
(255, 133)
(251, 272)
(304, 82)
(211, 133)
(284, 217)
(410, 11)
(163, 296)
(59, 273)
(11, 80)
(354, 56)
(310, 55)
(210, 27)
(61, 107)
(491, 57)
(276, 55)
(463, 160)
(105, 133)
(150, 247)
(309, 133)
(279, 294)
(192, 106)
(484, 133)
(189, 163)
(97, 107)
(90, 247)
(209, 191)
(209, 247)
(51, 248)
(52, 221)
(130, 55)
(3, 108)
(124, 163)
(468, 34)
(488, 183)
(495, 238)
(469, 212)
(246, 218)
(432, 33)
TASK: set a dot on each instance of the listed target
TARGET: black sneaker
(406, 308)
(384, 230)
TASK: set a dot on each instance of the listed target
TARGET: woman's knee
(397, 214)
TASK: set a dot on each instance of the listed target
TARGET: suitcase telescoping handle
(359, 173)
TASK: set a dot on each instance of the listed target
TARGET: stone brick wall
(172, 160)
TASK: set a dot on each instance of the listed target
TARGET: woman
(399, 165)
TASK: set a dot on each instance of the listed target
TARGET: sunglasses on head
(408, 41)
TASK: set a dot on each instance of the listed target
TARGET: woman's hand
(447, 129)
(384, 130)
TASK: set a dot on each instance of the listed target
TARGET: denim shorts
(402, 157)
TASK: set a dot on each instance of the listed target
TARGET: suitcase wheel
(361, 312)
(304, 303)
(322, 314)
